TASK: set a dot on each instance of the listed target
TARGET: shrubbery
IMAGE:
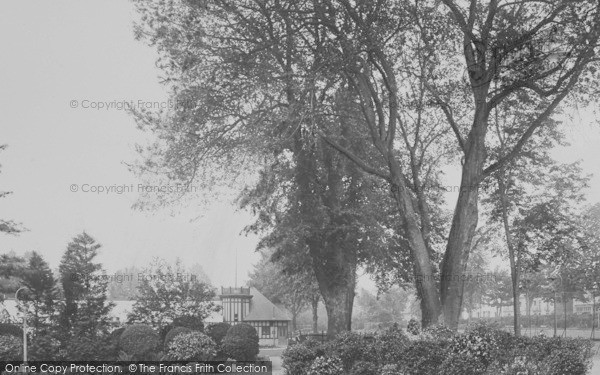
(44, 348)
(192, 346)
(174, 333)
(217, 331)
(326, 366)
(11, 348)
(139, 341)
(481, 350)
(241, 342)
(82, 348)
(11, 329)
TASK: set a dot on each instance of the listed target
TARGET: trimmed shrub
(326, 366)
(192, 322)
(82, 348)
(11, 329)
(351, 347)
(298, 357)
(192, 346)
(174, 333)
(43, 348)
(241, 342)
(389, 346)
(217, 331)
(139, 341)
(423, 357)
(11, 348)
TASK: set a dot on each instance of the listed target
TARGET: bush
(217, 331)
(298, 357)
(326, 366)
(241, 342)
(389, 346)
(350, 347)
(11, 348)
(82, 348)
(11, 329)
(423, 357)
(438, 332)
(139, 341)
(43, 348)
(192, 346)
(194, 323)
(174, 333)
(414, 327)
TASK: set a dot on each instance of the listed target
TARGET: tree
(168, 292)
(261, 73)
(533, 196)
(85, 310)
(41, 294)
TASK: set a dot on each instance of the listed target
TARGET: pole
(24, 326)
(555, 312)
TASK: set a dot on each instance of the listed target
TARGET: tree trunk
(465, 217)
(424, 277)
(315, 314)
(513, 255)
(294, 321)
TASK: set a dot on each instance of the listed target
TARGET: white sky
(59, 51)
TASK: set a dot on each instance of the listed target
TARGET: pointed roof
(263, 309)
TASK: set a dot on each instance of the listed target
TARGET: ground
(274, 355)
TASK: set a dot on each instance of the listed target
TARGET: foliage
(194, 323)
(265, 81)
(168, 292)
(241, 342)
(90, 348)
(296, 358)
(326, 366)
(192, 346)
(11, 329)
(85, 310)
(438, 332)
(350, 347)
(44, 348)
(217, 331)
(139, 340)
(41, 292)
(11, 348)
(423, 357)
(390, 345)
(174, 333)
(364, 368)
(414, 327)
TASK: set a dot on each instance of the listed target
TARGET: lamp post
(24, 326)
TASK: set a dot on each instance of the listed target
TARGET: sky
(61, 61)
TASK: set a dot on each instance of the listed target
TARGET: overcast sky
(61, 56)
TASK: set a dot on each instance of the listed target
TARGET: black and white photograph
(300, 187)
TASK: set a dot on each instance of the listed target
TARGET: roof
(263, 309)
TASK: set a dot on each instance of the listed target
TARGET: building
(248, 305)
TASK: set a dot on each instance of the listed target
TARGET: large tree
(85, 310)
(257, 74)
(41, 294)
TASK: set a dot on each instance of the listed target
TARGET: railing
(235, 291)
